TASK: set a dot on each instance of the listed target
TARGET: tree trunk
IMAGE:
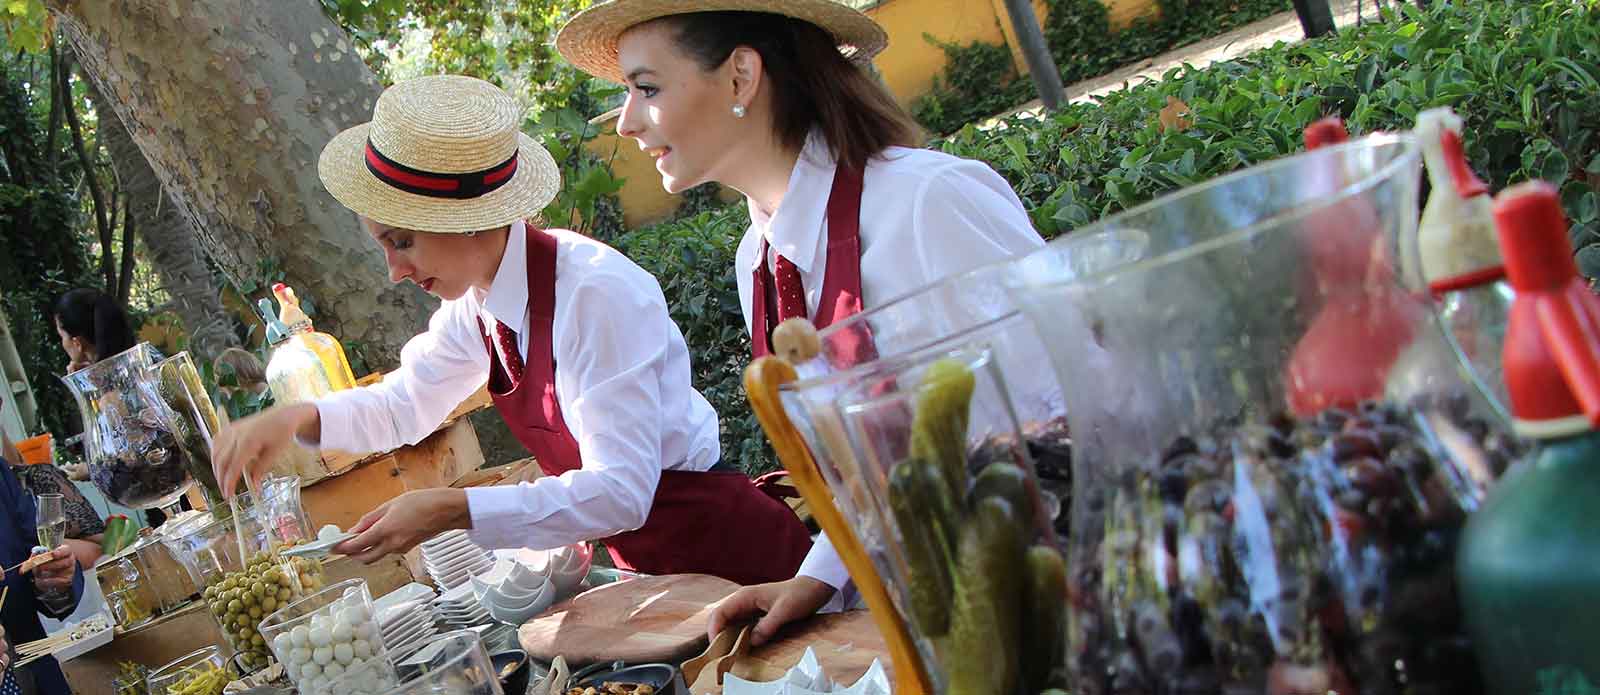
(231, 102)
(172, 247)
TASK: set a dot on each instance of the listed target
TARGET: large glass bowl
(1275, 450)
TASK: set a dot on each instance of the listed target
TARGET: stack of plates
(458, 608)
(450, 558)
(406, 627)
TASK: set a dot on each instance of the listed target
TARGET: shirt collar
(796, 228)
(507, 299)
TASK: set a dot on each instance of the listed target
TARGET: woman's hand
(401, 523)
(249, 446)
(778, 604)
(55, 575)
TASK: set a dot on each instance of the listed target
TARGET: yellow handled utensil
(762, 379)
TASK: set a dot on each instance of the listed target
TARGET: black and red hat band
(437, 185)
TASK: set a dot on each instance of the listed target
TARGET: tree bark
(171, 246)
(231, 102)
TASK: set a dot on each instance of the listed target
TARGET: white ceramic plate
(409, 592)
(317, 549)
(445, 537)
(408, 635)
(401, 626)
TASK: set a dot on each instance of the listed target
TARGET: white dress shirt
(925, 215)
(622, 378)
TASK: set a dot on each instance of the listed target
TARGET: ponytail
(93, 316)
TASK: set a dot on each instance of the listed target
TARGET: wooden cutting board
(644, 620)
(845, 645)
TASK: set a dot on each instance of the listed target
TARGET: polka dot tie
(508, 346)
(791, 293)
(9, 686)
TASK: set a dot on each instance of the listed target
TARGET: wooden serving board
(643, 620)
(845, 644)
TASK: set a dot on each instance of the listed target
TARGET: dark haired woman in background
(770, 98)
(92, 327)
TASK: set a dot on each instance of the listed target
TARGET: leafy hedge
(981, 79)
(1524, 74)
(693, 258)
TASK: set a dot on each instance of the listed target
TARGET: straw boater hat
(589, 41)
(442, 154)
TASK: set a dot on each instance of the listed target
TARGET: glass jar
(1273, 454)
(454, 662)
(328, 634)
(200, 672)
(242, 575)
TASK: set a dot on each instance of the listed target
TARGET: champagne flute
(51, 521)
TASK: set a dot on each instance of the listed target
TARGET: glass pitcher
(1274, 453)
(133, 456)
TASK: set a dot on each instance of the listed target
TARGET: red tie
(791, 293)
(508, 345)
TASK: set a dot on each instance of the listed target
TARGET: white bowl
(516, 592)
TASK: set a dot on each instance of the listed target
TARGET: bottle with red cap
(1527, 562)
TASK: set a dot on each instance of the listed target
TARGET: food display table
(176, 634)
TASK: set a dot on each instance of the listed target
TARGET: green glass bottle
(1529, 562)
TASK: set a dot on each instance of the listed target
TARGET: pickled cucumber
(928, 524)
(939, 424)
(1044, 618)
(981, 652)
(1009, 482)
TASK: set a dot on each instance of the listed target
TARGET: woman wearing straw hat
(581, 358)
(769, 97)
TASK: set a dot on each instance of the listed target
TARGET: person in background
(92, 327)
(847, 211)
(84, 525)
(53, 588)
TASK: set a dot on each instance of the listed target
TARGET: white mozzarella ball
(300, 635)
(321, 637)
(343, 652)
(322, 655)
(342, 633)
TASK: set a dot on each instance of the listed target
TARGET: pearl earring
(738, 110)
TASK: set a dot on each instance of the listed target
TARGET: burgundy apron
(704, 522)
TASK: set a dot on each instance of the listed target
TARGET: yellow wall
(908, 67)
(910, 62)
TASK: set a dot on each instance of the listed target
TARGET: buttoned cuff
(498, 519)
(823, 564)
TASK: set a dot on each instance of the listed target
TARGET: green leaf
(1589, 261)
(1018, 147)
(1587, 209)
(1556, 168)
(1527, 105)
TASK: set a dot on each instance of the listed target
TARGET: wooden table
(171, 636)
